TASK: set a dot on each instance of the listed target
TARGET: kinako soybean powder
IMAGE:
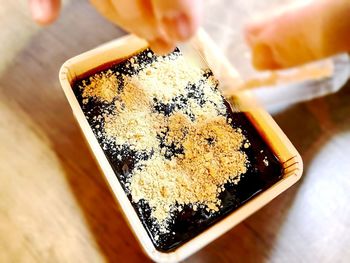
(209, 148)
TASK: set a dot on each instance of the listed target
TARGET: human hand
(162, 23)
(301, 34)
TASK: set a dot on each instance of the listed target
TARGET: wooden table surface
(55, 206)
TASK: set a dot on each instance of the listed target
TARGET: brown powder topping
(208, 147)
(132, 121)
(166, 77)
(178, 125)
(102, 87)
(138, 129)
(132, 98)
(211, 158)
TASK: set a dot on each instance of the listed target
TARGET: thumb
(45, 11)
(301, 34)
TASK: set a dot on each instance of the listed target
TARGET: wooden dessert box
(273, 135)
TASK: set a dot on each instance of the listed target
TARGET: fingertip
(161, 47)
(180, 19)
(44, 12)
(43, 19)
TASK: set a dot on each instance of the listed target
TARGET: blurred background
(54, 204)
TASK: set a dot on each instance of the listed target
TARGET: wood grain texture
(55, 207)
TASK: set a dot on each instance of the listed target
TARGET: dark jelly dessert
(183, 157)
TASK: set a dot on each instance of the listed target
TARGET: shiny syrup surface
(187, 223)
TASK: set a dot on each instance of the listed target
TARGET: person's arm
(162, 23)
(309, 32)
(312, 31)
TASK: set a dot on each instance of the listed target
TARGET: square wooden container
(273, 135)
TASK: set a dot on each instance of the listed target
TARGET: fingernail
(263, 57)
(36, 9)
(254, 28)
(40, 10)
(251, 32)
(177, 27)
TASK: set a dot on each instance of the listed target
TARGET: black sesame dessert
(183, 157)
